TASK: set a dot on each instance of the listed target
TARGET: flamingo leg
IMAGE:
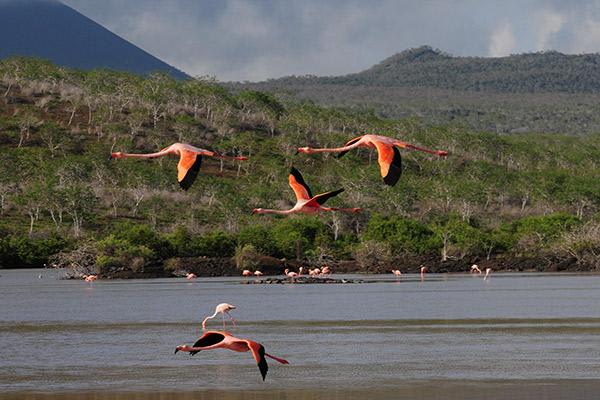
(223, 315)
(232, 319)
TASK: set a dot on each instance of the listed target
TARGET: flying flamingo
(222, 308)
(306, 203)
(488, 271)
(190, 159)
(246, 272)
(390, 161)
(475, 269)
(224, 340)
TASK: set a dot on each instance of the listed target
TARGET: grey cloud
(261, 39)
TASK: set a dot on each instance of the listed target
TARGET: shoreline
(548, 389)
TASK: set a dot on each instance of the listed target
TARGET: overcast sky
(261, 39)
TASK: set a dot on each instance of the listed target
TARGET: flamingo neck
(150, 155)
(278, 212)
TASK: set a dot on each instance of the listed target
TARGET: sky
(261, 39)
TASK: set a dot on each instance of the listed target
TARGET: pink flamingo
(325, 270)
(223, 340)
(423, 270)
(190, 276)
(475, 269)
(90, 278)
(390, 161)
(258, 273)
(290, 274)
(488, 271)
(246, 272)
(222, 308)
(190, 159)
(396, 272)
(306, 203)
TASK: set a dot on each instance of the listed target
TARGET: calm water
(451, 336)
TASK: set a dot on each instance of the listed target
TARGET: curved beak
(176, 350)
(110, 157)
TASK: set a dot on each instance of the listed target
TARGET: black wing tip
(262, 363)
(395, 171)
(192, 174)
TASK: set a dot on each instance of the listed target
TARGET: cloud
(262, 39)
(547, 24)
(502, 40)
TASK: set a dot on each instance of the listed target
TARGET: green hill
(541, 92)
(497, 197)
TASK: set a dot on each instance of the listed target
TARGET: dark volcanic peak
(51, 30)
(418, 54)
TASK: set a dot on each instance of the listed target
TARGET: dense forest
(545, 92)
(531, 196)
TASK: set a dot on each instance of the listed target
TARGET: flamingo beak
(110, 157)
(176, 350)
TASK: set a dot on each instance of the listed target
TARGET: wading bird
(488, 271)
(258, 273)
(475, 269)
(90, 278)
(396, 272)
(246, 272)
(306, 203)
(390, 161)
(190, 276)
(224, 340)
(190, 159)
(222, 308)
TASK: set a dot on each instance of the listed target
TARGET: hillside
(529, 200)
(51, 30)
(543, 92)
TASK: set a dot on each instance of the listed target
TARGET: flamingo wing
(320, 199)
(300, 188)
(390, 162)
(188, 167)
(258, 352)
(208, 339)
(341, 153)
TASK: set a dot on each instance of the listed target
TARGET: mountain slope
(51, 30)
(522, 73)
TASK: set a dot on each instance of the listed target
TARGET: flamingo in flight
(190, 159)
(224, 340)
(222, 308)
(390, 161)
(306, 203)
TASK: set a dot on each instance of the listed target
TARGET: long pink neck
(279, 212)
(150, 155)
(334, 149)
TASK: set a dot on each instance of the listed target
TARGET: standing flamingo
(306, 203)
(246, 272)
(190, 276)
(396, 272)
(190, 159)
(475, 269)
(390, 161)
(258, 273)
(488, 271)
(223, 340)
(222, 308)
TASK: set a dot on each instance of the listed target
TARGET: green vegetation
(495, 196)
(539, 92)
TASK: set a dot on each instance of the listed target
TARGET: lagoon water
(451, 336)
